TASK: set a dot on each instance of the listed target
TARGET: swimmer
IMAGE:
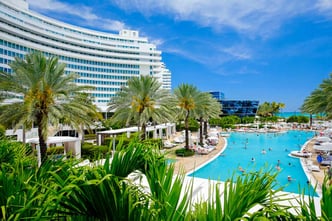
(278, 163)
(241, 169)
(252, 159)
(289, 178)
(278, 167)
(263, 151)
(270, 149)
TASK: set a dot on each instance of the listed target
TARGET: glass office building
(102, 60)
(241, 108)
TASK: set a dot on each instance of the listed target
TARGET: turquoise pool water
(242, 147)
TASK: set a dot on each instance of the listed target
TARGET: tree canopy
(39, 93)
(320, 100)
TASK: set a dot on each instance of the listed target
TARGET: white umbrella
(323, 139)
(323, 147)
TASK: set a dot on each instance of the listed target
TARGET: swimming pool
(242, 147)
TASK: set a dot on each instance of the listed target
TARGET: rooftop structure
(102, 60)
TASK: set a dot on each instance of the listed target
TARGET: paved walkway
(189, 164)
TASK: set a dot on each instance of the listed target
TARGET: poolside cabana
(71, 145)
(157, 131)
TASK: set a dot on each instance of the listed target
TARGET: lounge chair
(168, 144)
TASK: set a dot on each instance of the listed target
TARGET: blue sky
(259, 50)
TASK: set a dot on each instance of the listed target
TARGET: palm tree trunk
(143, 137)
(201, 130)
(186, 127)
(42, 143)
(23, 135)
(205, 129)
(310, 121)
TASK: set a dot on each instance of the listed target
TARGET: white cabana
(157, 131)
(71, 145)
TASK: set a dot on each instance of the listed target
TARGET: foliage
(142, 100)
(155, 142)
(94, 152)
(247, 120)
(320, 100)
(122, 138)
(2, 131)
(55, 150)
(12, 152)
(297, 119)
(272, 119)
(268, 109)
(191, 103)
(193, 125)
(225, 122)
(110, 124)
(240, 195)
(47, 96)
(184, 152)
(60, 190)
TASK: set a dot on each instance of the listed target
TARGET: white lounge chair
(168, 144)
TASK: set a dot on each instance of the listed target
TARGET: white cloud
(255, 18)
(238, 52)
(81, 11)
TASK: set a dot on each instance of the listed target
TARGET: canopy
(323, 147)
(323, 139)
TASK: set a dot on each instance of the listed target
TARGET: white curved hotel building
(102, 60)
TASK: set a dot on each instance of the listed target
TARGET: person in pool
(289, 178)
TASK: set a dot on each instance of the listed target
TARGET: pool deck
(189, 164)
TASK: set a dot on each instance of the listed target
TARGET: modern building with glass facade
(102, 60)
(241, 108)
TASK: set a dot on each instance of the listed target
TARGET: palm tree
(319, 101)
(269, 109)
(45, 95)
(208, 108)
(142, 100)
(188, 99)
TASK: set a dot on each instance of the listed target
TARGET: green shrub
(55, 150)
(193, 125)
(183, 152)
(297, 119)
(93, 152)
(89, 136)
(154, 142)
(2, 131)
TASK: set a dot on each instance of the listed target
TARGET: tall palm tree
(188, 99)
(208, 108)
(142, 100)
(45, 95)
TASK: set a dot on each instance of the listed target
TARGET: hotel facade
(102, 60)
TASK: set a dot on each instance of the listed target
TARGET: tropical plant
(268, 109)
(188, 99)
(142, 100)
(320, 100)
(115, 190)
(45, 96)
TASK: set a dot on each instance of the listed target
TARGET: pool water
(242, 147)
